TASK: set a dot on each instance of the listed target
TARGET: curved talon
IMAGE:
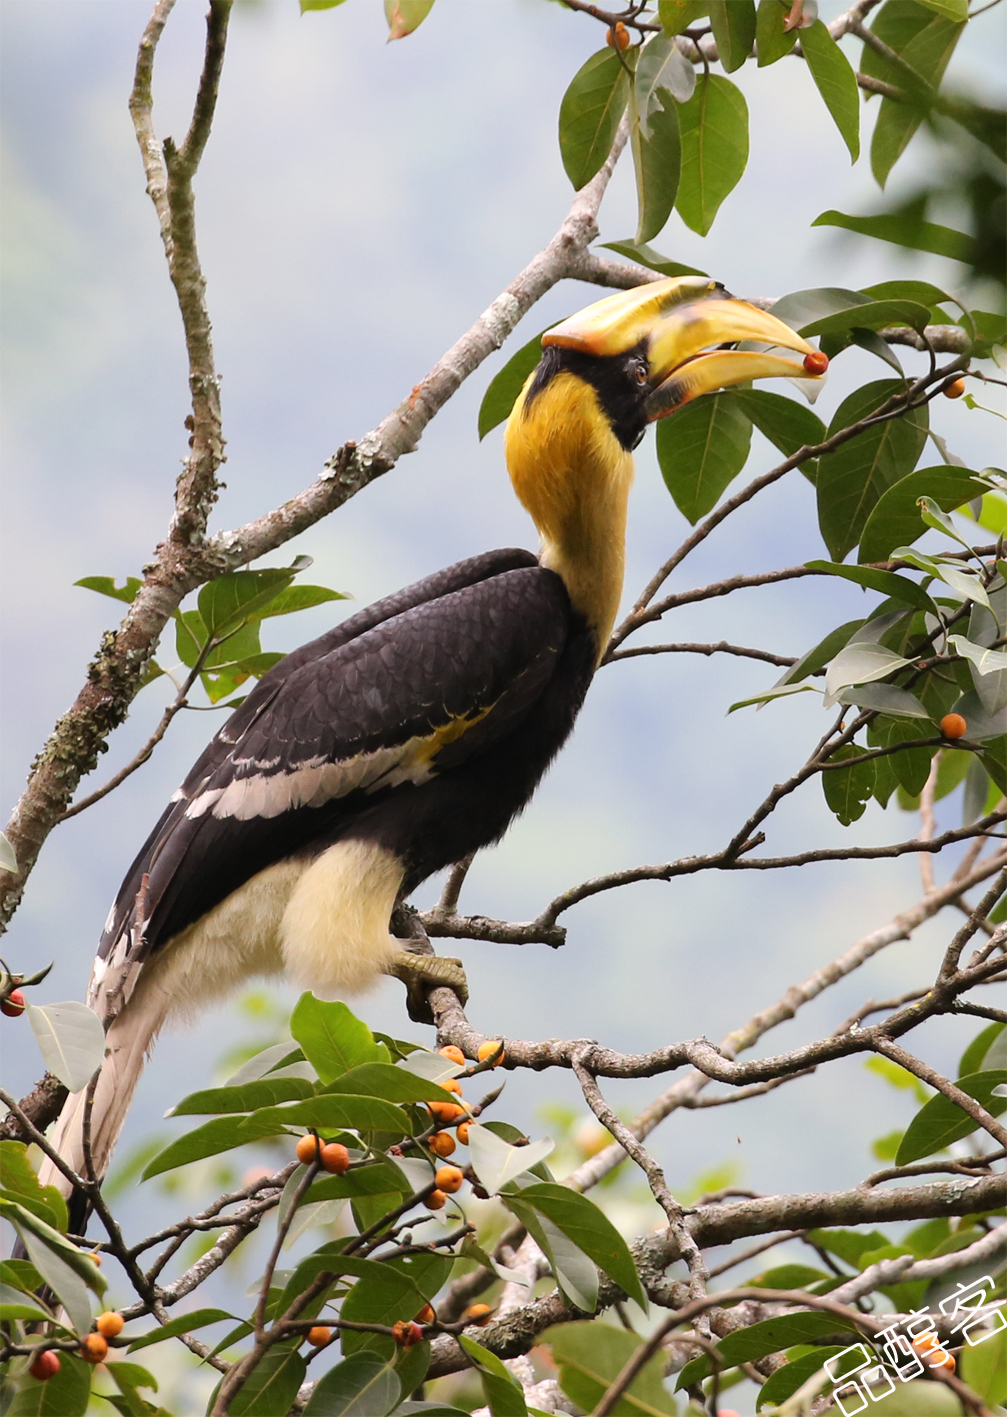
(420, 974)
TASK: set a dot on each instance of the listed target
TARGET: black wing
(412, 686)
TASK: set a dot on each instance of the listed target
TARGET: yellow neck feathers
(573, 476)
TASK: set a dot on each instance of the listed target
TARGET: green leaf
(590, 1356)
(647, 256)
(258, 664)
(661, 65)
(748, 1345)
(919, 290)
(926, 41)
(505, 386)
(430, 1409)
(130, 1376)
(220, 1134)
(272, 1386)
(802, 307)
(956, 10)
(701, 449)
(300, 597)
(938, 520)
(576, 1274)
(826, 650)
(772, 41)
(984, 1368)
(987, 661)
(849, 1245)
(78, 1261)
(848, 790)
(940, 1122)
(875, 315)
(853, 477)
(897, 1077)
(883, 698)
(786, 1380)
(71, 1040)
(734, 25)
(873, 343)
(677, 15)
(105, 585)
(788, 1276)
(910, 766)
(51, 1263)
(68, 1394)
(907, 229)
(266, 1061)
(307, 5)
(405, 16)
(782, 692)
(924, 1239)
(954, 574)
(975, 1054)
(787, 424)
(896, 518)
(836, 82)
(591, 1231)
(589, 114)
(19, 1181)
(889, 583)
(359, 1386)
(184, 1323)
(503, 1392)
(334, 1040)
(381, 1179)
(411, 1365)
(229, 601)
(384, 1297)
(191, 636)
(657, 161)
(328, 1112)
(391, 1083)
(496, 1161)
(21, 1275)
(714, 126)
(861, 662)
(16, 1305)
(266, 1092)
(994, 754)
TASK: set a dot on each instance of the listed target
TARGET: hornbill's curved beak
(682, 324)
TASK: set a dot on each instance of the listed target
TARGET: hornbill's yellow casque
(411, 734)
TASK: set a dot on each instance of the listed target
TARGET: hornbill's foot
(422, 972)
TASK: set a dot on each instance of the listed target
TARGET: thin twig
(937, 1080)
(721, 648)
(928, 822)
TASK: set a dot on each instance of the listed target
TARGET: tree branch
(723, 1224)
(722, 647)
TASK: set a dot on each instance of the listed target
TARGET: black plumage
(489, 647)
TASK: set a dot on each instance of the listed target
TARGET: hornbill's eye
(641, 372)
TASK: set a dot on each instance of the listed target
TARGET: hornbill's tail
(129, 1039)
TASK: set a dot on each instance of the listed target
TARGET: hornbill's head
(605, 374)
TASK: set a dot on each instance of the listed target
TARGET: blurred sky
(359, 204)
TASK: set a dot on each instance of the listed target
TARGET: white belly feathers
(323, 922)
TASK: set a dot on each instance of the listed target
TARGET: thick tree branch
(723, 1224)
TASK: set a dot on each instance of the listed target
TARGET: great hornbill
(414, 732)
